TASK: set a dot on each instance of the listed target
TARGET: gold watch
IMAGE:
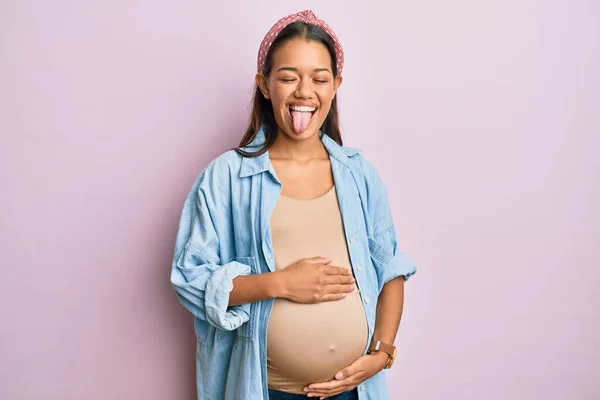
(388, 349)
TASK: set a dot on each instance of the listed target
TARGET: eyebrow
(296, 69)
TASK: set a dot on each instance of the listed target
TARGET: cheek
(325, 99)
(325, 94)
(278, 101)
(279, 95)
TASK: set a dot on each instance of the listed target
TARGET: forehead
(302, 53)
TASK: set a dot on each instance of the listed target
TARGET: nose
(304, 89)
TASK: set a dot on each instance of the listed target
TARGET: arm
(309, 280)
(389, 311)
(257, 287)
(201, 281)
(393, 267)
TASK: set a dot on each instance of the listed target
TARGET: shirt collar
(256, 165)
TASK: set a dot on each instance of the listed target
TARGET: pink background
(483, 118)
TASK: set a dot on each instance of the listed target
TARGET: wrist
(381, 357)
(378, 346)
(276, 285)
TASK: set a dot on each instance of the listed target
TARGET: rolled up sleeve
(393, 263)
(202, 283)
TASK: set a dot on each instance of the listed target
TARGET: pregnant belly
(308, 343)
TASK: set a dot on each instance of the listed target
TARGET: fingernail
(339, 375)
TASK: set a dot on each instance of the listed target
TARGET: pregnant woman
(286, 252)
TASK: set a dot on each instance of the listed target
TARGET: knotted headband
(305, 16)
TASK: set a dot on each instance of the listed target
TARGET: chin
(307, 134)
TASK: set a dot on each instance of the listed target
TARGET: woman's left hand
(350, 377)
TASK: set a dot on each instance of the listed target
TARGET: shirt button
(362, 388)
(359, 268)
(352, 239)
(367, 300)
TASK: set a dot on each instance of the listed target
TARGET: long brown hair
(262, 109)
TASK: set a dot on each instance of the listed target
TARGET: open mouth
(301, 116)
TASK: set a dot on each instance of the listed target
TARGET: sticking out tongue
(300, 120)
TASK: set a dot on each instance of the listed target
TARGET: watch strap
(390, 350)
(378, 345)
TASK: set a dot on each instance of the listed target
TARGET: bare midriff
(309, 343)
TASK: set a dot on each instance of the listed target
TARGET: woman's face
(301, 87)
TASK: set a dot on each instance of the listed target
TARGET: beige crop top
(309, 343)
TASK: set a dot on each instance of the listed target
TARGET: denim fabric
(224, 232)
(274, 395)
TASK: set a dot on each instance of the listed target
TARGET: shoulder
(220, 171)
(366, 168)
(225, 164)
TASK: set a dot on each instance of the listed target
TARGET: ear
(261, 82)
(337, 82)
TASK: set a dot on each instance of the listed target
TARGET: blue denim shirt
(224, 233)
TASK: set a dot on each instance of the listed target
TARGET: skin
(307, 281)
(389, 312)
(302, 75)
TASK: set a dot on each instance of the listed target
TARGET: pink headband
(305, 16)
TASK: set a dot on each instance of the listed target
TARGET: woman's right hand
(313, 280)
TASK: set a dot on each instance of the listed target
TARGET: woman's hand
(350, 377)
(313, 280)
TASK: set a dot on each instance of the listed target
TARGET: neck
(299, 150)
